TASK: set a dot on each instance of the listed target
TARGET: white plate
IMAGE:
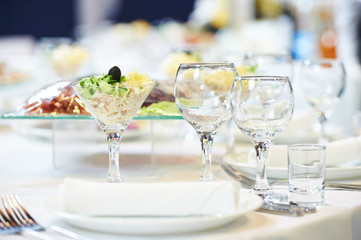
(239, 161)
(162, 225)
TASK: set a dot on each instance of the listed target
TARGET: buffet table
(27, 170)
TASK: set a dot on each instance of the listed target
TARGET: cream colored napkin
(337, 152)
(147, 199)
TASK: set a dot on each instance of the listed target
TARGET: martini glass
(65, 58)
(262, 107)
(202, 94)
(113, 113)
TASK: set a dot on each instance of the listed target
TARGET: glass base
(117, 179)
(271, 196)
(261, 190)
(275, 197)
(207, 178)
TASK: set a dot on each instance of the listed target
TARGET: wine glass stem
(113, 144)
(322, 138)
(230, 136)
(261, 186)
(207, 142)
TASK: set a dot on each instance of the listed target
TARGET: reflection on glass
(322, 82)
(202, 94)
(271, 64)
(113, 107)
(262, 107)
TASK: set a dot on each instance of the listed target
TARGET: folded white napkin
(301, 122)
(147, 199)
(337, 152)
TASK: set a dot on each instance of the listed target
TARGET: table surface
(27, 169)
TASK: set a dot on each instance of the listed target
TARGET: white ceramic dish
(162, 225)
(239, 161)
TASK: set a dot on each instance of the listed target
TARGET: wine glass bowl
(113, 107)
(202, 95)
(262, 107)
(322, 82)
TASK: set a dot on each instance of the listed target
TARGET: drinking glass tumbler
(306, 174)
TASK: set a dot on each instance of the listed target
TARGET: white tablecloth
(26, 169)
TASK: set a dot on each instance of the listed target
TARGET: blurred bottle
(315, 34)
(358, 31)
(304, 45)
(327, 42)
(265, 9)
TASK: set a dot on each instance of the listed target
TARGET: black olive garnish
(115, 73)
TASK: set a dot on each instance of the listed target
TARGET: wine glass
(263, 64)
(113, 112)
(262, 107)
(270, 64)
(322, 82)
(202, 95)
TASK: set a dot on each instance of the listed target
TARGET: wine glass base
(206, 179)
(261, 191)
(275, 197)
(115, 179)
(270, 196)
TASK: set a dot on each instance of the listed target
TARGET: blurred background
(145, 35)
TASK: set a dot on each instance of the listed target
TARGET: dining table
(38, 154)
(33, 166)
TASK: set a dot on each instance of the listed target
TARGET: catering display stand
(77, 137)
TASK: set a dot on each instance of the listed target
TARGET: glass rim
(321, 61)
(76, 84)
(306, 147)
(206, 64)
(264, 77)
(268, 54)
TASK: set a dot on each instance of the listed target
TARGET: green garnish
(122, 79)
(251, 68)
(162, 108)
(104, 83)
(122, 91)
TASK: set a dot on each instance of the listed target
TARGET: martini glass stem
(113, 144)
(207, 143)
(261, 186)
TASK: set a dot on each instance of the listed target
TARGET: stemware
(263, 64)
(65, 58)
(270, 64)
(202, 95)
(322, 82)
(113, 113)
(262, 107)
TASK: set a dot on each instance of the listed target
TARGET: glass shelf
(82, 117)
(79, 136)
